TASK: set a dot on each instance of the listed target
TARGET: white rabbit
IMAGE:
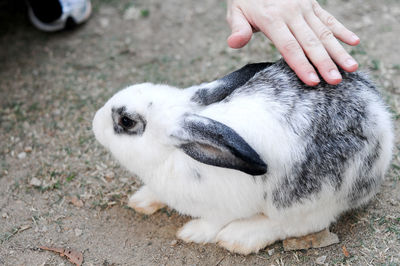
(254, 157)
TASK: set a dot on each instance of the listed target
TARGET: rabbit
(254, 157)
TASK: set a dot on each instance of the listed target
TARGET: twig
(220, 261)
(15, 231)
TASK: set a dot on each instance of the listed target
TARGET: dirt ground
(58, 187)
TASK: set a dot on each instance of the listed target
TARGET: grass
(386, 223)
(56, 185)
(144, 13)
(323, 2)
(396, 166)
(375, 64)
(7, 235)
(167, 212)
(274, 51)
(15, 186)
(4, 167)
(71, 177)
(358, 50)
(101, 204)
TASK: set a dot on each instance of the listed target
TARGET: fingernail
(334, 74)
(350, 62)
(313, 77)
(355, 38)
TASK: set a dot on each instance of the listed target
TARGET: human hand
(300, 29)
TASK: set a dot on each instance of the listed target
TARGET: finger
(340, 31)
(291, 51)
(315, 51)
(331, 44)
(241, 29)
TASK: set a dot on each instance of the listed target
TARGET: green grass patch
(144, 13)
(71, 177)
(375, 64)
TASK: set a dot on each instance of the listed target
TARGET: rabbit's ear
(214, 143)
(219, 89)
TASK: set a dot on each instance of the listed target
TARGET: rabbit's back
(343, 134)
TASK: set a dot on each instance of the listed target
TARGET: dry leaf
(75, 201)
(345, 252)
(315, 240)
(54, 249)
(73, 256)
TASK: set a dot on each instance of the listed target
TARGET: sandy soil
(51, 85)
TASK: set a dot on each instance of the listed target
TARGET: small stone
(271, 251)
(57, 112)
(128, 41)
(35, 182)
(104, 22)
(75, 201)
(78, 232)
(367, 21)
(173, 243)
(109, 176)
(131, 13)
(107, 11)
(21, 155)
(28, 149)
(26, 125)
(4, 215)
(124, 180)
(320, 260)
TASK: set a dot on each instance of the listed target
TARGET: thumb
(241, 30)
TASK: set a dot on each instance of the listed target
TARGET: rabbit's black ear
(218, 90)
(214, 143)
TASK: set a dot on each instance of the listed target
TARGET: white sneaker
(72, 12)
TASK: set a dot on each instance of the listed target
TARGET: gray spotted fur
(338, 129)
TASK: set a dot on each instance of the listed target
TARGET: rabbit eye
(126, 122)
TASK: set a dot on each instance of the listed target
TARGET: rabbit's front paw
(144, 201)
(247, 236)
(198, 231)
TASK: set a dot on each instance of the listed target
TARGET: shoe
(55, 15)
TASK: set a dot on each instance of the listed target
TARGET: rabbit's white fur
(233, 208)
